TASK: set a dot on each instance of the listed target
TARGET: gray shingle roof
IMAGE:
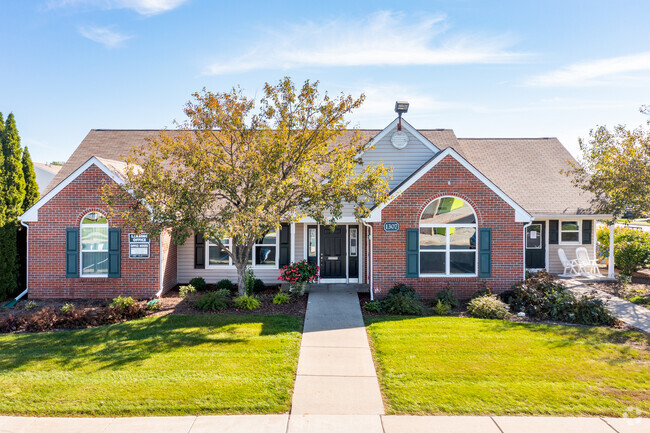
(526, 169)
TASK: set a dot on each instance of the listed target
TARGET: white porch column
(610, 272)
(293, 242)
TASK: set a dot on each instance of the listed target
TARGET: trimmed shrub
(258, 286)
(246, 302)
(281, 298)
(198, 283)
(402, 289)
(506, 296)
(591, 311)
(185, 291)
(403, 304)
(441, 308)
(447, 297)
(487, 307)
(213, 301)
(372, 307)
(631, 248)
(542, 297)
(123, 303)
(481, 292)
(226, 284)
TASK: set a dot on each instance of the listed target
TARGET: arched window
(448, 232)
(94, 245)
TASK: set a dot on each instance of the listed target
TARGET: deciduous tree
(236, 168)
(615, 168)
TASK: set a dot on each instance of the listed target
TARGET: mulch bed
(638, 286)
(170, 303)
(462, 312)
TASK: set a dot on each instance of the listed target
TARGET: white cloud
(143, 7)
(384, 38)
(596, 72)
(104, 36)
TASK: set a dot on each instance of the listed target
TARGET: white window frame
(354, 236)
(254, 265)
(448, 250)
(562, 231)
(541, 240)
(82, 251)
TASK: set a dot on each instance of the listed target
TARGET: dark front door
(332, 252)
(536, 246)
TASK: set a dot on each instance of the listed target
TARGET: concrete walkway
(631, 314)
(336, 374)
(325, 424)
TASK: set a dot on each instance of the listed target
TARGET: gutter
(372, 294)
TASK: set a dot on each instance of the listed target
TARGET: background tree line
(18, 192)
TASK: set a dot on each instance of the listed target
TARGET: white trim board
(31, 215)
(520, 213)
(407, 126)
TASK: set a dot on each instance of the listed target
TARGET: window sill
(448, 276)
(94, 276)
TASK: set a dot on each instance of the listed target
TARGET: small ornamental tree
(236, 168)
(615, 168)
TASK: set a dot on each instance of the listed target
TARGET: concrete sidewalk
(631, 314)
(336, 374)
(324, 424)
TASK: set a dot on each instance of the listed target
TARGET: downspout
(372, 295)
(525, 227)
(26, 262)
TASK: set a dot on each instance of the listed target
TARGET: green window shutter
(553, 232)
(114, 265)
(285, 245)
(484, 252)
(412, 253)
(71, 253)
(199, 252)
(587, 226)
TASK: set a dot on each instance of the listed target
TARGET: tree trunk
(241, 279)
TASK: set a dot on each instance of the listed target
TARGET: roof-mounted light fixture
(401, 107)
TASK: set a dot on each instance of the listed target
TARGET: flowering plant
(299, 272)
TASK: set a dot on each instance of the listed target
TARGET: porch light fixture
(401, 107)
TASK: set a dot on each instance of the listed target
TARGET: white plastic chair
(586, 265)
(569, 265)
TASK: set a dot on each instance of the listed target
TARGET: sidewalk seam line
(193, 422)
(109, 424)
(608, 424)
(496, 424)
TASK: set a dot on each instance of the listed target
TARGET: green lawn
(452, 365)
(173, 365)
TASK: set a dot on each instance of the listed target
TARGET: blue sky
(484, 68)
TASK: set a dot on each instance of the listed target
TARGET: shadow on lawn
(133, 341)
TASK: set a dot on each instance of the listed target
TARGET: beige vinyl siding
(404, 161)
(554, 265)
(299, 242)
(186, 270)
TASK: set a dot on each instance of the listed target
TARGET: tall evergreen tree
(31, 187)
(13, 181)
(3, 206)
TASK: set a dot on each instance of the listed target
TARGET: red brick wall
(389, 249)
(168, 261)
(140, 277)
